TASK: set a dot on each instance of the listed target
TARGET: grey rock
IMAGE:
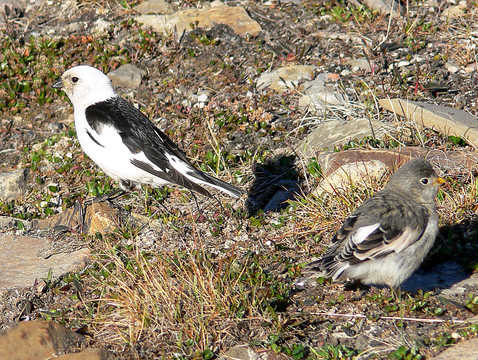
(444, 119)
(7, 222)
(360, 64)
(240, 352)
(100, 27)
(127, 75)
(385, 6)
(452, 161)
(461, 287)
(319, 96)
(12, 8)
(154, 7)
(285, 78)
(328, 134)
(13, 184)
(452, 67)
(467, 349)
(453, 12)
(361, 172)
(55, 126)
(21, 261)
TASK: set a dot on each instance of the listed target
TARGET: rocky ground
(281, 98)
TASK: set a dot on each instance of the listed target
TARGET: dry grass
(188, 302)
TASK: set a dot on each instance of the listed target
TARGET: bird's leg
(397, 295)
(159, 205)
(196, 202)
(106, 197)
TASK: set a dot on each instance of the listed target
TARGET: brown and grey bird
(123, 142)
(387, 237)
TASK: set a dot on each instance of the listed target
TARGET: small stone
(285, 78)
(470, 68)
(13, 184)
(240, 352)
(452, 67)
(100, 27)
(127, 75)
(385, 6)
(55, 126)
(360, 65)
(101, 218)
(403, 63)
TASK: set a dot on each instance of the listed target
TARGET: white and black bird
(123, 142)
(386, 238)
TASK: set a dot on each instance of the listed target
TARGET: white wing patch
(180, 166)
(363, 232)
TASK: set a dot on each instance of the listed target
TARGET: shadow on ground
(456, 245)
(276, 181)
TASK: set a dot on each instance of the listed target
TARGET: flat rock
(87, 354)
(40, 340)
(463, 286)
(13, 184)
(453, 12)
(453, 161)
(452, 67)
(353, 173)
(127, 76)
(246, 352)
(154, 7)
(11, 7)
(328, 134)
(447, 120)
(284, 78)
(319, 96)
(21, 261)
(235, 17)
(442, 276)
(467, 349)
(99, 217)
(385, 6)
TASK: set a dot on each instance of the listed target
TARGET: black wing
(140, 135)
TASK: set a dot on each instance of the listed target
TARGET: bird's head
(85, 86)
(416, 179)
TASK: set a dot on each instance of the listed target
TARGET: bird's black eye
(74, 79)
(424, 181)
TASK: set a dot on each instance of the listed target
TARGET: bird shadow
(275, 182)
(451, 260)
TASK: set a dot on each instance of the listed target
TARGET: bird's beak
(58, 84)
(440, 181)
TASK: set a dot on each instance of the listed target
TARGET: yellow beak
(440, 181)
